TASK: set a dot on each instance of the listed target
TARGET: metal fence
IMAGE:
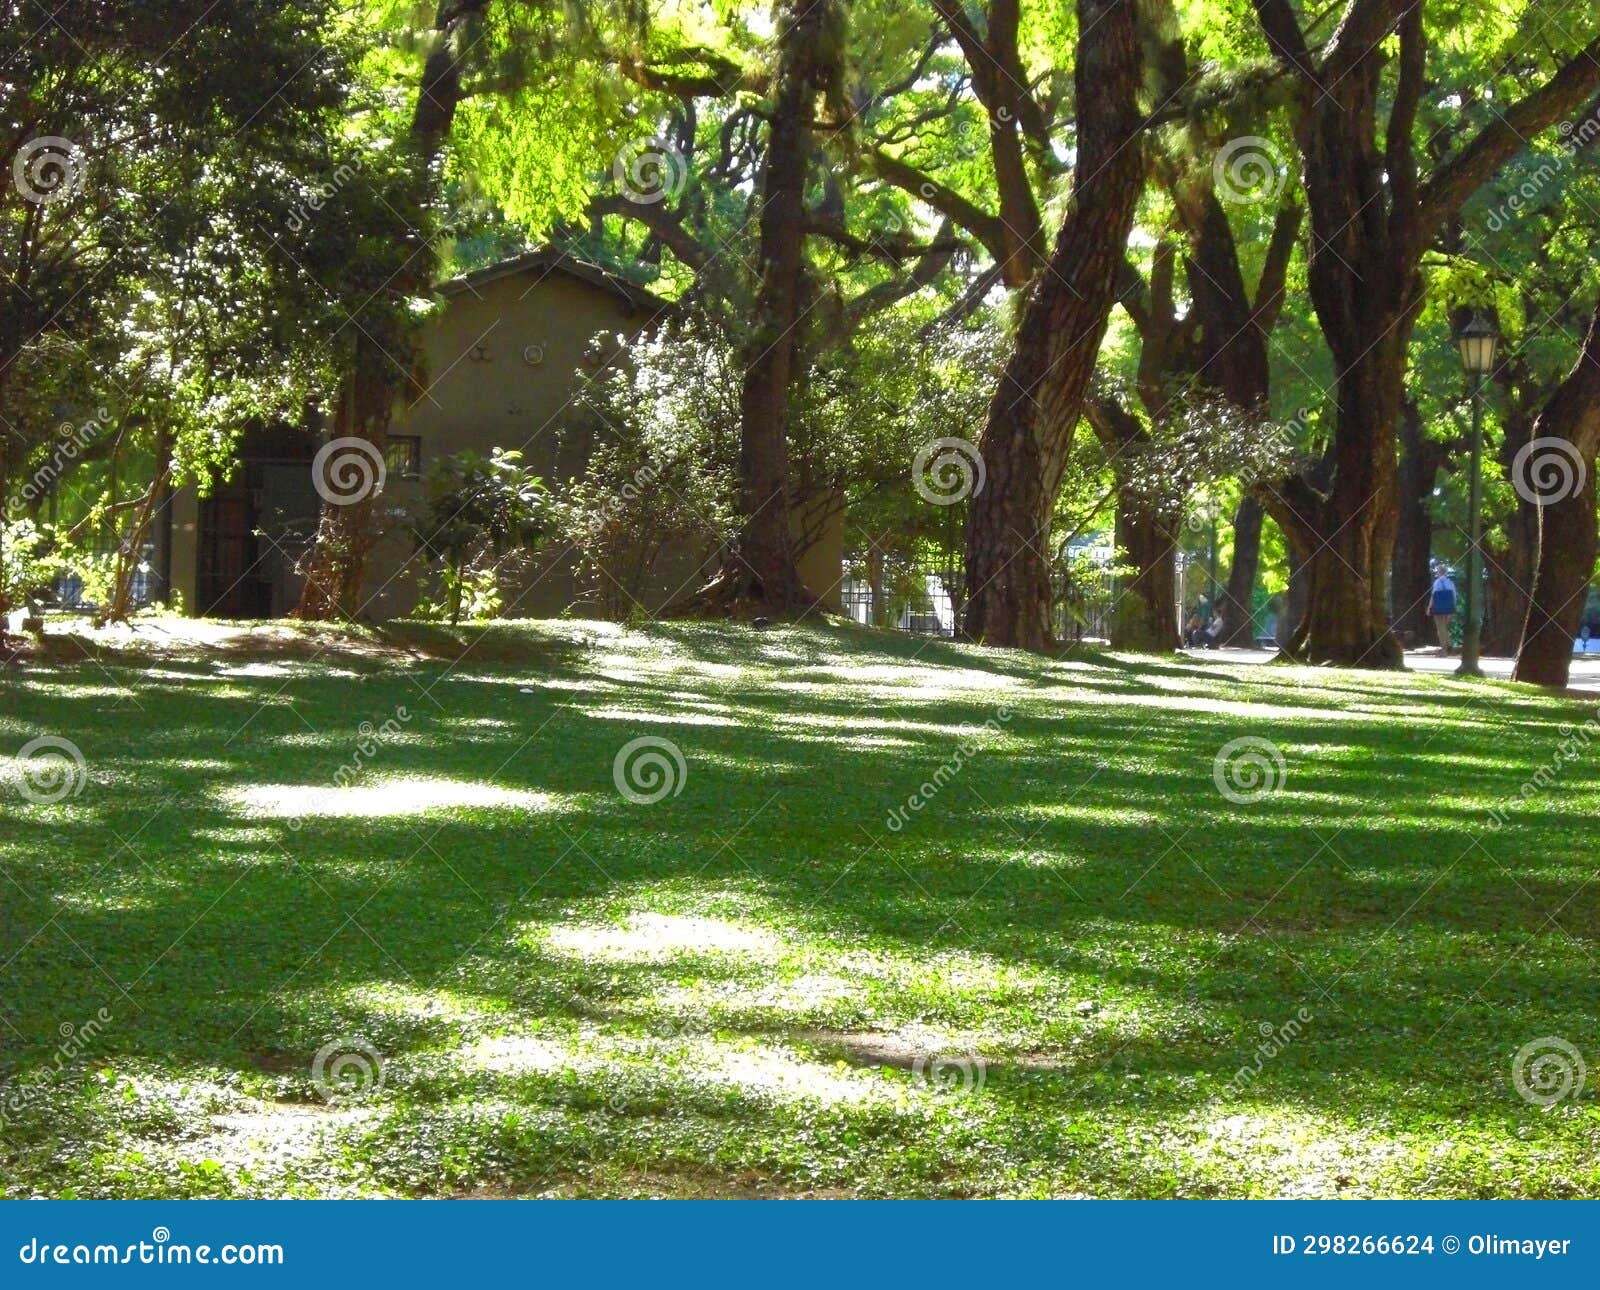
(927, 596)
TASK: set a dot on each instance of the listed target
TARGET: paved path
(1585, 671)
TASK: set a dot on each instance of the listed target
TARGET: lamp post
(1478, 340)
(1212, 512)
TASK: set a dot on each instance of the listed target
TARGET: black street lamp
(1478, 340)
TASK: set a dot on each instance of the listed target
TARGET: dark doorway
(230, 585)
(253, 530)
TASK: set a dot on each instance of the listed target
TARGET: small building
(500, 361)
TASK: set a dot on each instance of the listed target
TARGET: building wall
(499, 362)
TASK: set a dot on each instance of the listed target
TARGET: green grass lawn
(1073, 967)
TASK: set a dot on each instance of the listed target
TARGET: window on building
(403, 458)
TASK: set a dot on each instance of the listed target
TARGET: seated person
(1214, 630)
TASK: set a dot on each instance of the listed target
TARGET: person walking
(1443, 607)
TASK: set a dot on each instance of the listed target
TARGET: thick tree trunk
(1567, 548)
(384, 350)
(810, 49)
(1411, 576)
(1347, 621)
(1565, 485)
(1297, 599)
(878, 604)
(1145, 617)
(1510, 555)
(1238, 598)
(1035, 411)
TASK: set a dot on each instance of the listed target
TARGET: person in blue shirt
(1444, 606)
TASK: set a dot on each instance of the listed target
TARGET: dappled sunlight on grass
(646, 717)
(410, 796)
(866, 942)
(655, 936)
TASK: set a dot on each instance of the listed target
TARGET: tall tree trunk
(761, 571)
(1510, 554)
(1347, 620)
(1564, 481)
(1411, 576)
(1238, 598)
(385, 344)
(1145, 615)
(1297, 598)
(1567, 547)
(1035, 410)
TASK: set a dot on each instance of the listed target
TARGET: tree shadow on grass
(1066, 857)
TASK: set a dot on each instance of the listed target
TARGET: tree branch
(1275, 269)
(1285, 39)
(663, 225)
(1400, 156)
(1447, 190)
(987, 228)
